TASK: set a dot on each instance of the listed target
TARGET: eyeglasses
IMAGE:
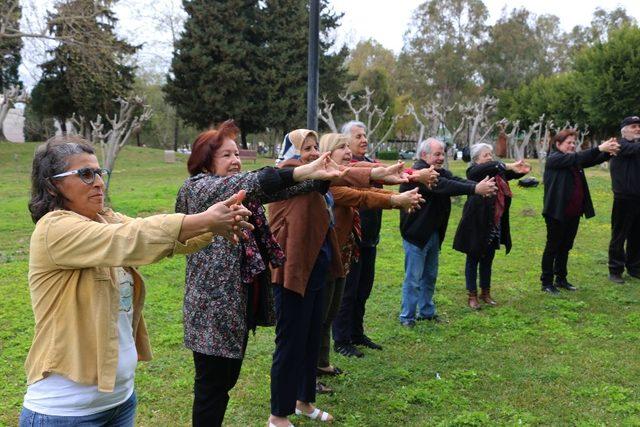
(87, 175)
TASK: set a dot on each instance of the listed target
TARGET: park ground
(532, 360)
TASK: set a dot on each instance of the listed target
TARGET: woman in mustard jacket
(86, 294)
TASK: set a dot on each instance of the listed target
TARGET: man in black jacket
(348, 326)
(625, 214)
(566, 199)
(423, 231)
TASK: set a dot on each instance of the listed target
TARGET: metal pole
(313, 68)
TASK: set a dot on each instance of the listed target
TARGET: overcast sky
(383, 20)
(387, 20)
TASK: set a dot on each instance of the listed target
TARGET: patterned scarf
(260, 241)
(504, 191)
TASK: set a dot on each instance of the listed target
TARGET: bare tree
(478, 114)
(325, 114)
(10, 97)
(542, 145)
(371, 115)
(434, 115)
(522, 146)
(411, 111)
(512, 136)
(132, 115)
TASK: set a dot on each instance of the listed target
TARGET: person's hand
(229, 218)
(323, 168)
(408, 200)
(519, 167)
(391, 175)
(486, 187)
(428, 176)
(610, 146)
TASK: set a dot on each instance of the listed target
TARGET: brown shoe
(473, 301)
(485, 296)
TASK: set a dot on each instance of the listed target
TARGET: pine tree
(215, 71)
(86, 73)
(286, 26)
(10, 57)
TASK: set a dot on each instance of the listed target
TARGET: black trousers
(560, 237)
(625, 227)
(215, 376)
(349, 322)
(298, 335)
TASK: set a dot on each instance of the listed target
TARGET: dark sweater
(477, 221)
(625, 171)
(559, 181)
(433, 216)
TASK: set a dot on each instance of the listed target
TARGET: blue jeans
(120, 416)
(421, 272)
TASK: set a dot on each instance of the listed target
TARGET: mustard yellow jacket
(75, 295)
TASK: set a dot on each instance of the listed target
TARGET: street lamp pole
(313, 68)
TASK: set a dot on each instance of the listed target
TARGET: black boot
(563, 284)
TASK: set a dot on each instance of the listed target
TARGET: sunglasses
(87, 175)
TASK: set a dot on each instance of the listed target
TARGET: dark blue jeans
(298, 334)
(483, 264)
(120, 416)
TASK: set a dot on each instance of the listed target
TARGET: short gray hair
(425, 146)
(476, 149)
(346, 128)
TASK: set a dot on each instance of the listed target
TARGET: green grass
(533, 360)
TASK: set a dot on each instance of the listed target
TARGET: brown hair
(206, 145)
(560, 137)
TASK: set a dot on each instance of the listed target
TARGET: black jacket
(558, 181)
(625, 171)
(473, 233)
(433, 216)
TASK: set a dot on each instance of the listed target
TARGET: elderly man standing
(625, 214)
(348, 326)
(423, 231)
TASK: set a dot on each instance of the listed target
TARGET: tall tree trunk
(176, 133)
(243, 136)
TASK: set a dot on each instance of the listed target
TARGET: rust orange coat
(300, 225)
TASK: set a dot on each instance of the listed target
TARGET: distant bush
(387, 155)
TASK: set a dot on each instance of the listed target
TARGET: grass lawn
(532, 360)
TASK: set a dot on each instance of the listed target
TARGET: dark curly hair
(50, 159)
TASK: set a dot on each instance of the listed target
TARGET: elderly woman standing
(305, 228)
(86, 294)
(346, 202)
(228, 286)
(566, 199)
(485, 220)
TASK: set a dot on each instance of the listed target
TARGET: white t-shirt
(57, 395)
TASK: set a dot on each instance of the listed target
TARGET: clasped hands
(610, 146)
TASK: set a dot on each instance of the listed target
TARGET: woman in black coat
(485, 220)
(566, 199)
